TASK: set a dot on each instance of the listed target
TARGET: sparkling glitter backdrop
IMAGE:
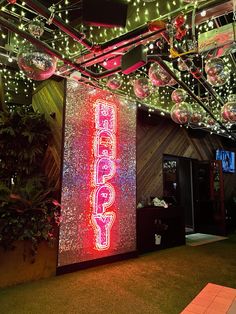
(77, 238)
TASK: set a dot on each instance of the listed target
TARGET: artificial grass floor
(161, 282)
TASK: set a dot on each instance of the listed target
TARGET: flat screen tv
(228, 160)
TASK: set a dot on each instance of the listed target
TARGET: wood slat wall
(157, 136)
(49, 99)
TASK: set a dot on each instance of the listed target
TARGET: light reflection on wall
(99, 176)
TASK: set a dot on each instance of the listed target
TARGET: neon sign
(104, 150)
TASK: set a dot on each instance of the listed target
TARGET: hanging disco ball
(114, 82)
(181, 113)
(209, 121)
(179, 95)
(35, 63)
(197, 116)
(172, 82)
(141, 87)
(182, 66)
(228, 111)
(158, 76)
(36, 28)
(217, 79)
(214, 66)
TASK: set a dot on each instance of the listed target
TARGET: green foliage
(23, 139)
(27, 208)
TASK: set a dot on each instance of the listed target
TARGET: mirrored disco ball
(197, 116)
(181, 65)
(181, 113)
(141, 87)
(114, 82)
(217, 79)
(36, 64)
(209, 121)
(214, 66)
(36, 28)
(172, 82)
(158, 76)
(179, 95)
(228, 111)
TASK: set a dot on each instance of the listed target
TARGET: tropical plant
(24, 136)
(28, 210)
(28, 213)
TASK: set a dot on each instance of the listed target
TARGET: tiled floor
(213, 299)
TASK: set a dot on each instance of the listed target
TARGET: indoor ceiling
(174, 35)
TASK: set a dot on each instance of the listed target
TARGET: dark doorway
(197, 187)
(177, 186)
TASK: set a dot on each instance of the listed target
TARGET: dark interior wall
(157, 136)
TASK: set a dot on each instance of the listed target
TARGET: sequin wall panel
(99, 176)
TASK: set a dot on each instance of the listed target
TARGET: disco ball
(214, 66)
(228, 111)
(181, 113)
(179, 95)
(35, 63)
(141, 87)
(209, 121)
(158, 76)
(114, 82)
(172, 82)
(218, 79)
(36, 28)
(181, 65)
(197, 116)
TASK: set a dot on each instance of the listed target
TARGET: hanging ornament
(35, 63)
(214, 66)
(181, 65)
(217, 79)
(197, 116)
(179, 21)
(210, 121)
(141, 87)
(172, 82)
(179, 95)
(36, 27)
(114, 82)
(228, 111)
(11, 1)
(181, 113)
(158, 76)
(181, 32)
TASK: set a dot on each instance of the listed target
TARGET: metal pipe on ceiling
(55, 53)
(123, 41)
(42, 10)
(158, 60)
(77, 36)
